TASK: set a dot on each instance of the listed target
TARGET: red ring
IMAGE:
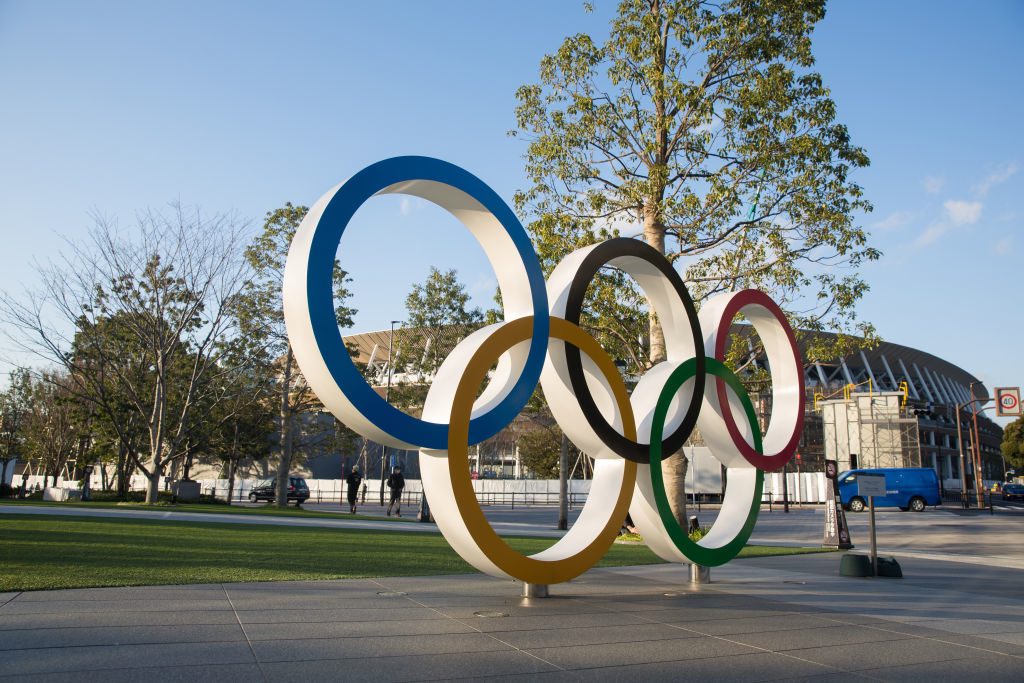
(770, 462)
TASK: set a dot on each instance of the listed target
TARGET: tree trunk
(231, 480)
(563, 484)
(153, 489)
(232, 463)
(287, 432)
(654, 235)
(673, 470)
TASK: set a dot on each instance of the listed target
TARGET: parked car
(267, 490)
(1013, 491)
(908, 488)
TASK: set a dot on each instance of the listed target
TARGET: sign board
(1008, 402)
(837, 533)
(870, 484)
(831, 469)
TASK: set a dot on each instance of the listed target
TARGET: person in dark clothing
(354, 479)
(396, 482)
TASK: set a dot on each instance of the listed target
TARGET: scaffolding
(870, 430)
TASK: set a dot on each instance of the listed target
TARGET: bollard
(700, 574)
(535, 590)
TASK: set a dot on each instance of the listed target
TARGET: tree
(540, 449)
(700, 128)
(433, 308)
(1013, 444)
(15, 403)
(437, 319)
(52, 429)
(242, 425)
(261, 317)
(147, 311)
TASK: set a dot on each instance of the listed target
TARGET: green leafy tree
(242, 424)
(261, 317)
(105, 356)
(1013, 444)
(540, 449)
(437, 319)
(702, 129)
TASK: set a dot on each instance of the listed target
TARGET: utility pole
(387, 399)
(960, 447)
(976, 464)
(978, 482)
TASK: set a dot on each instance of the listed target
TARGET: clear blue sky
(241, 106)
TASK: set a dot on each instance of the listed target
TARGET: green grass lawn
(44, 552)
(267, 509)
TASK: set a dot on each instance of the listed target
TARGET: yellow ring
(523, 567)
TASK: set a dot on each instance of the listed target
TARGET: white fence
(704, 480)
(528, 491)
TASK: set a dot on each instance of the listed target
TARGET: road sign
(831, 469)
(1008, 402)
(870, 484)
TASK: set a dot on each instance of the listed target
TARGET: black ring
(601, 254)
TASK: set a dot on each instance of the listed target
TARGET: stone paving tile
(703, 610)
(113, 617)
(186, 592)
(982, 642)
(863, 656)
(374, 646)
(615, 636)
(75, 659)
(995, 669)
(973, 626)
(563, 622)
(518, 608)
(840, 677)
(201, 673)
(334, 615)
(543, 677)
(314, 604)
(355, 629)
(679, 649)
(783, 641)
(760, 666)
(118, 635)
(1015, 638)
(762, 624)
(20, 606)
(423, 667)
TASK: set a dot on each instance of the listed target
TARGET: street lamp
(387, 399)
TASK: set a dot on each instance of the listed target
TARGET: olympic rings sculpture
(541, 341)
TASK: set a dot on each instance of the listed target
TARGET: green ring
(696, 553)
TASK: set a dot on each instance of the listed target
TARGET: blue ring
(320, 295)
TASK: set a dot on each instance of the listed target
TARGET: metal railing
(968, 500)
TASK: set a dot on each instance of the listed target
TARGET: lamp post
(387, 399)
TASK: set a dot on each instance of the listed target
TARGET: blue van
(906, 488)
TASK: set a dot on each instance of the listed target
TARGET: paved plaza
(958, 617)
